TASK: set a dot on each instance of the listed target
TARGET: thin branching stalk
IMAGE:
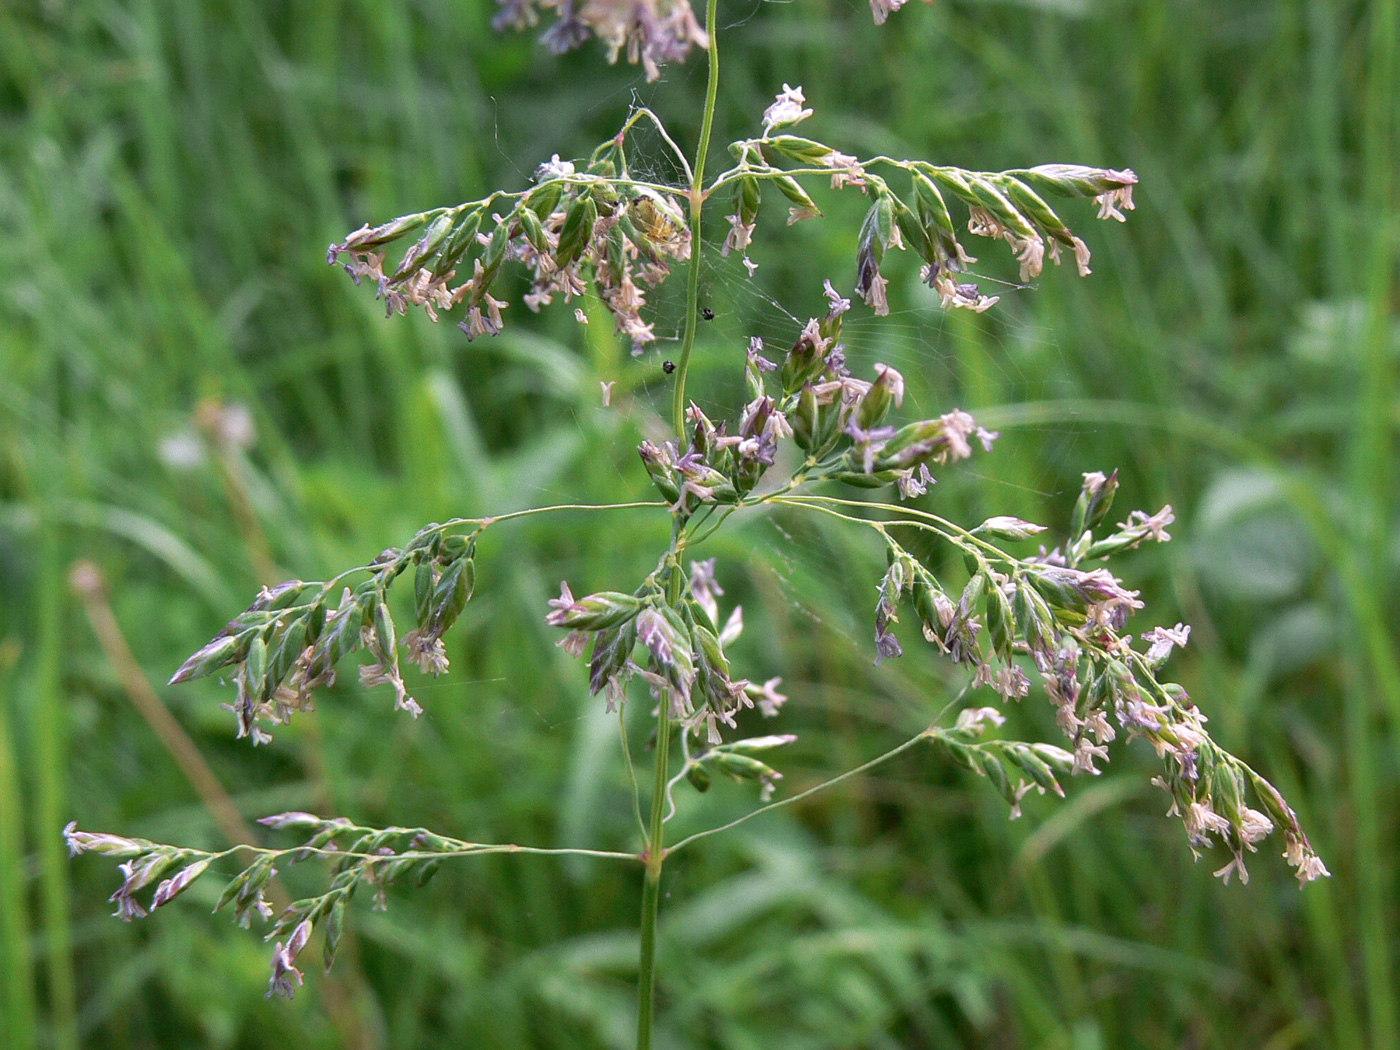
(864, 767)
(942, 526)
(631, 773)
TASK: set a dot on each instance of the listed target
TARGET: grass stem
(651, 885)
(697, 201)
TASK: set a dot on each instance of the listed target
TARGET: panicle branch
(580, 224)
(289, 642)
(1000, 205)
(594, 223)
(374, 858)
(1053, 614)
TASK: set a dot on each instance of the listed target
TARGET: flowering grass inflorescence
(1059, 615)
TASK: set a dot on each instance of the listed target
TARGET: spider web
(1019, 358)
(918, 337)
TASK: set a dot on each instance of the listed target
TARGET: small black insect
(668, 367)
(707, 313)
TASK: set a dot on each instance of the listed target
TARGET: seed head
(786, 110)
(286, 978)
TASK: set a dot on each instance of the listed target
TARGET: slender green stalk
(483, 522)
(792, 501)
(951, 532)
(631, 771)
(671, 784)
(637, 114)
(466, 849)
(878, 760)
(453, 523)
(656, 835)
(496, 519)
(656, 849)
(697, 201)
(754, 501)
(651, 885)
(703, 536)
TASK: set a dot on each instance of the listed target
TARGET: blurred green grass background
(170, 173)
